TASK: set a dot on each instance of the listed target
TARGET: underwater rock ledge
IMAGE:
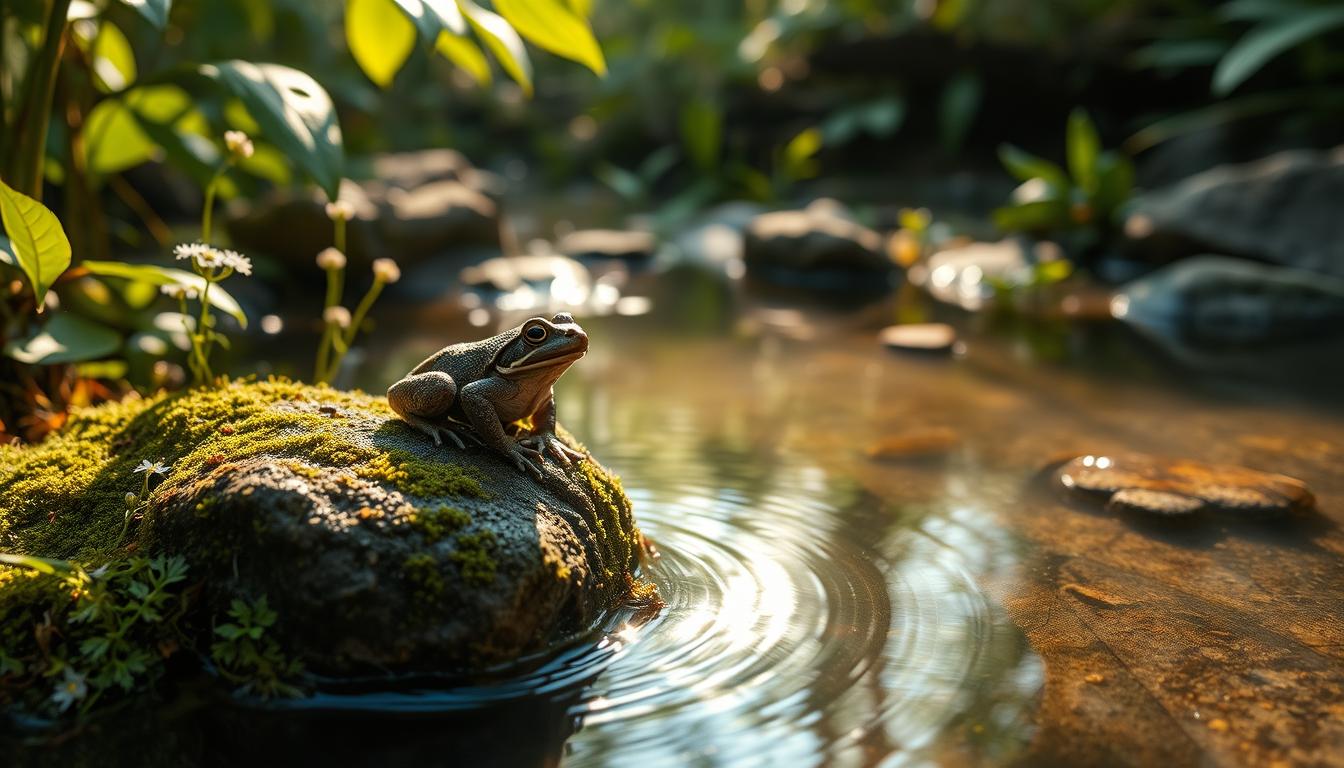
(377, 550)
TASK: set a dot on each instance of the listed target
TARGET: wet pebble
(1179, 487)
(920, 337)
(1156, 503)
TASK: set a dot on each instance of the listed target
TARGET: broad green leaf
(551, 25)
(268, 163)
(1269, 39)
(1036, 216)
(702, 132)
(1082, 146)
(449, 15)
(154, 10)
(295, 114)
(36, 238)
(66, 338)
(623, 182)
(40, 564)
(502, 40)
(581, 8)
(380, 38)
(1025, 166)
(156, 275)
(114, 140)
(465, 54)
(1115, 183)
(113, 60)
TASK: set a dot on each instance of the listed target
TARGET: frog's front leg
(478, 401)
(420, 397)
(543, 434)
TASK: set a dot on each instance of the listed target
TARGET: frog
(476, 391)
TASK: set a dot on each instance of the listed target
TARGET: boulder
(629, 246)
(818, 247)
(377, 551)
(1282, 209)
(1221, 300)
(415, 205)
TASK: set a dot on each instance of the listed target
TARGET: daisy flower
(70, 689)
(157, 467)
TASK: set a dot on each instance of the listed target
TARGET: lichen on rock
(377, 550)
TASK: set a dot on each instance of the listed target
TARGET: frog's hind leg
(420, 397)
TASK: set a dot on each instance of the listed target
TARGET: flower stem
(209, 207)
(365, 304)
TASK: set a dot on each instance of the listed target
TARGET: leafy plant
(247, 654)
(1087, 199)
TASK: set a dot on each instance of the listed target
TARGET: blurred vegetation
(112, 109)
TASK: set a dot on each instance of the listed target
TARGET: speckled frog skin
(476, 389)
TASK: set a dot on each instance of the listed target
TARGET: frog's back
(466, 362)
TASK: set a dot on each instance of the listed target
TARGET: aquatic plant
(1086, 201)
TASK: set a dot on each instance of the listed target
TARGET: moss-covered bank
(322, 530)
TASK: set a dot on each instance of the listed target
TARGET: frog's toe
(456, 438)
(528, 459)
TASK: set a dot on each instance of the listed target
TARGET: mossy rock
(379, 551)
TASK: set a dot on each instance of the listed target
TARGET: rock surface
(416, 204)
(378, 550)
(1220, 299)
(1282, 209)
(1173, 487)
(818, 247)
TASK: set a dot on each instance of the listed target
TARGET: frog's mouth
(522, 366)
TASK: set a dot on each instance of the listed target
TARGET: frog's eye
(536, 334)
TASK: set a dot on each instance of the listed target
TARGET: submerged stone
(378, 550)
(919, 337)
(1180, 486)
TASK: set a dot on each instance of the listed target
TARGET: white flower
(205, 256)
(337, 316)
(157, 467)
(386, 271)
(331, 258)
(210, 257)
(238, 144)
(179, 291)
(340, 210)
(70, 689)
(237, 261)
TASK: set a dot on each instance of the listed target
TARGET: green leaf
(66, 338)
(295, 114)
(551, 25)
(1115, 183)
(1269, 39)
(1025, 166)
(36, 239)
(502, 40)
(581, 8)
(623, 182)
(40, 564)
(156, 275)
(108, 51)
(1037, 216)
(450, 16)
(465, 54)
(154, 10)
(702, 131)
(380, 38)
(1082, 146)
(798, 154)
(114, 139)
(957, 108)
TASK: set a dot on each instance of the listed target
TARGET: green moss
(613, 518)
(473, 557)
(422, 570)
(64, 497)
(437, 522)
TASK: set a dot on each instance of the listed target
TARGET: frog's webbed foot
(527, 458)
(550, 444)
(435, 430)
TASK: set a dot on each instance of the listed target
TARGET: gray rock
(818, 247)
(1283, 209)
(608, 244)
(964, 275)
(382, 551)
(438, 216)
(1217, 299)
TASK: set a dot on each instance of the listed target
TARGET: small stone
(921, 443)
(1176, 484)
(1156, 503)
(920, 337)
